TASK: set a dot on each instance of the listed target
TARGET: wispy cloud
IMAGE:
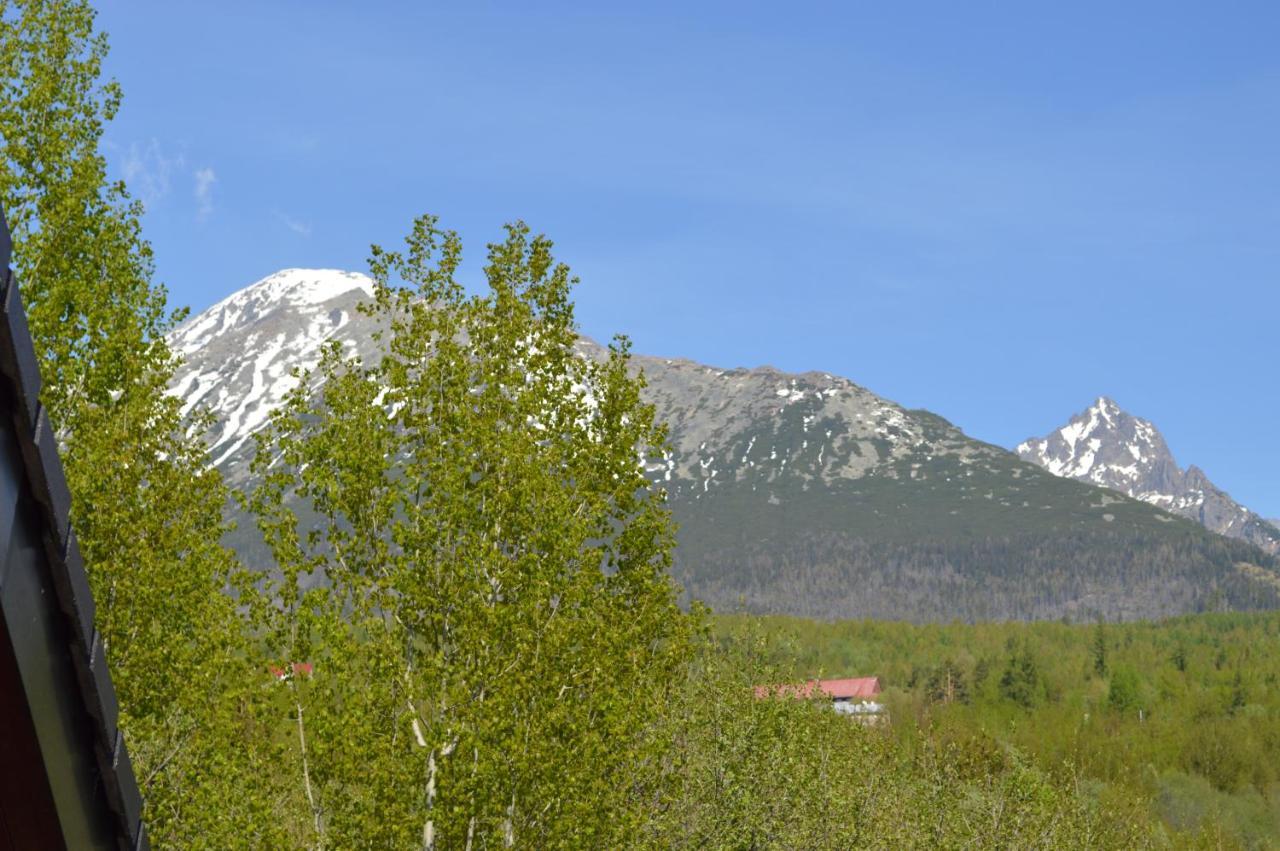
(300, 228)
(148, 170)
(205, 178)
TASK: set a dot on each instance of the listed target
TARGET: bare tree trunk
(429, 827)
(508, 824)
(471, 824)
(306, 776)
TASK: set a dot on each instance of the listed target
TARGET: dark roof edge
(48, 487)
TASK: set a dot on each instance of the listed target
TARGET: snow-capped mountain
(238, 355)
(799, 493)
(1106, 446)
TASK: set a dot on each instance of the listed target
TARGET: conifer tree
(1020, 682)
(1100, 649)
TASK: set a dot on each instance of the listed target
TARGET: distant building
(288, 672)
(854, 696)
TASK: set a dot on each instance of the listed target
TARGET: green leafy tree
(496, 629)
(1122, 692)
(147, 509)
(1239, 694)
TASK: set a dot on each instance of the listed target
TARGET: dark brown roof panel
(17, 355)
(67, 779)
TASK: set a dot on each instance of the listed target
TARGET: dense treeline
(1182, 712)
(833, 573)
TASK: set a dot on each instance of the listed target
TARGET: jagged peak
(1103, 418)
(1107, 407)
(1105, 410)
(1105, 445)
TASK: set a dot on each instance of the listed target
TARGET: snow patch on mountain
(298, 288)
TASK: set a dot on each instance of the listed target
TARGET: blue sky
(994, 211)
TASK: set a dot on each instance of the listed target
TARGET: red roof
(855, 687)
(861, 688)
(302, 669)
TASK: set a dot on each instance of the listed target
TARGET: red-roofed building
(853, 688)
(850, 696)
(299, 669)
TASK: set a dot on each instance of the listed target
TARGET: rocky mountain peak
(1109, 447)
(238, 355)
(289, 290)
(728, 424)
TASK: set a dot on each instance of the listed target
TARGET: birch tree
(493, 630)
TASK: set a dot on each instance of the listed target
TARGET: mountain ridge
(795, 493)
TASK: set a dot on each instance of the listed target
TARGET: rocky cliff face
(1106, 446)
